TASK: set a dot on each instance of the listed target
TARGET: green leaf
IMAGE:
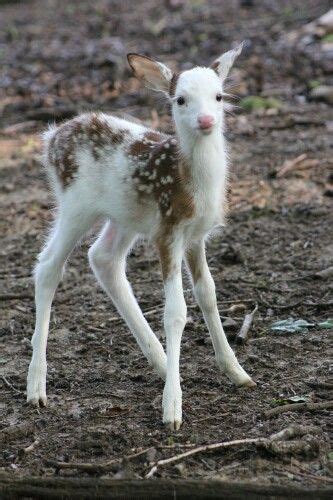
(298, 399)
(312, 84)
(327, 325)
(254, 102)
(292, 325)
(328, 38)
(288, 400)
(170, 441)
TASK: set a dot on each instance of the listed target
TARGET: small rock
(181, 468)
(151, 455)
(326, 21)
(329, 125)
(229, 322)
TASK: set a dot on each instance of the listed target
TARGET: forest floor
(104, 401)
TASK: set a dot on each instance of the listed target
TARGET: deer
(141, 183)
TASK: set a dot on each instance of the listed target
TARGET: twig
(283, 306)
(305, 473)
(325, 273)
(15, 296)
(102, 467)
(245, 328)
(8, 384)
(300, 163)
(296, 446)
(235, 301)
(319, 385)
(16, 431)
(292, 431)
(202, 449)
(175, 445)
(290, 164)
(297, 303)
(31, 447)
(298, 406)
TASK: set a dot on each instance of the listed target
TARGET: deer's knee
(48, 273)
(204, 291)
(107, 266)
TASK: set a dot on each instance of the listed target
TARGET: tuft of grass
(328, 38)
(313, 84)
(170, 441)
(254, 102)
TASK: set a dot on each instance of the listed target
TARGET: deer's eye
(219, 97)
(180, 101)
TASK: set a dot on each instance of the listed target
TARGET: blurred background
(59, 58)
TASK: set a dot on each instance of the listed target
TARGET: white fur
(105, 188)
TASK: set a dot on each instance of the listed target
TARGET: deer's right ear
(153, 73)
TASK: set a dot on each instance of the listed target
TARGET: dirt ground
(104, 402)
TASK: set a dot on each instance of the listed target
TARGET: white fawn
(169, 189)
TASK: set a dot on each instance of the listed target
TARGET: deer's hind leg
(204, 291)
(107, 257)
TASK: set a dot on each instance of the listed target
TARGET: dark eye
(180, 101)
(219, 97)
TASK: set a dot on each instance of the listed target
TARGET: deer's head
(196, 95)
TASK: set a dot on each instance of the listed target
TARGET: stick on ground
(299, 406)
(95, 467)
(245, 329)
(291, 431)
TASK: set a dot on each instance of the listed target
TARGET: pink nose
(205, 121)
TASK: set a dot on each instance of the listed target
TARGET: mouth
(206, 130)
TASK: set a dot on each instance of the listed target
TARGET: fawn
(169, 189)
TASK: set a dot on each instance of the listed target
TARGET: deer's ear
(154, 74)
(223, 64)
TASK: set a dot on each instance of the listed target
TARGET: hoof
(173, 426)
(249, 384)
(38, 402)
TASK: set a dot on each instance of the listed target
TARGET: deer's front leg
(204, 291)
(174, 322)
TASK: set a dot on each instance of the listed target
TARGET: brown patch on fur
(89, 131)
(173, 84)
(162, 175)
(165, 177)
(142, 148)
(153, 136)
(193, 261)
(163, 246)
(100, 134)
(215, 67)
(61, 151)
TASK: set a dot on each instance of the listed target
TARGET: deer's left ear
(153, 73)
(222, 64)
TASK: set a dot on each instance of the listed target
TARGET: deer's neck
(206, 156)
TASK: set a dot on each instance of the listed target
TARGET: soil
(104, 401)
